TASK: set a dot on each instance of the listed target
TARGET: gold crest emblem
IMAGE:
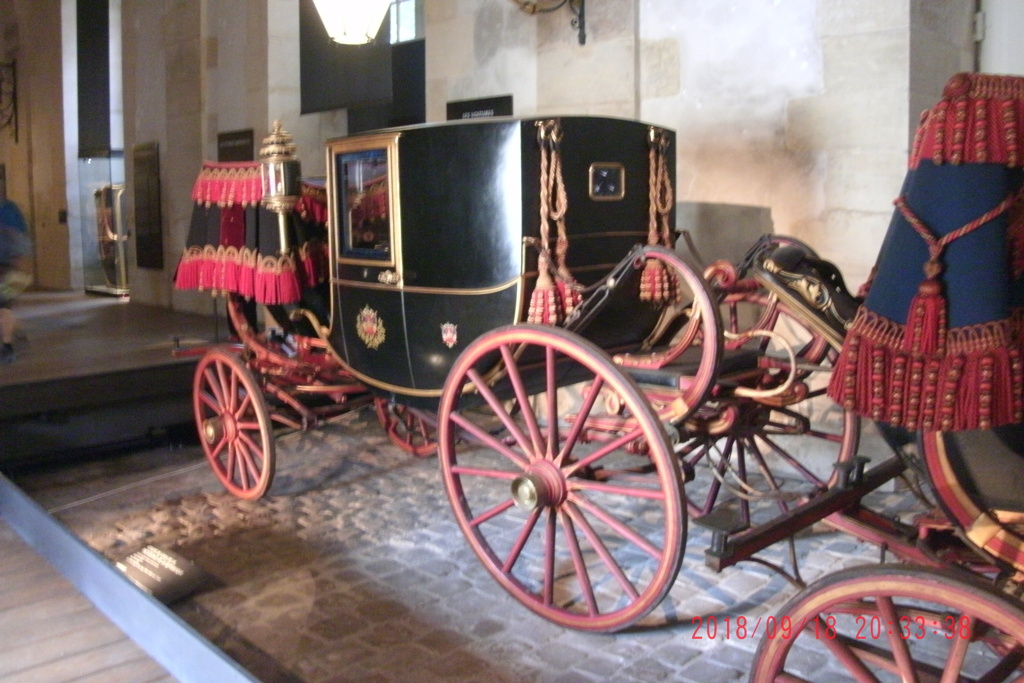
(450, 334)
(370, 327)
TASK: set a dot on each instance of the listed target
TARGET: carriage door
(368, 328)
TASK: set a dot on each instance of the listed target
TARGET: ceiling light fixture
(352, 22)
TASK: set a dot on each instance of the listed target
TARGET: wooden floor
(49, 633)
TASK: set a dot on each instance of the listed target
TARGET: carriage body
(432, 238)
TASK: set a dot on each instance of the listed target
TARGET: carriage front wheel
(561, 477)
(893, 623)
(234, 424)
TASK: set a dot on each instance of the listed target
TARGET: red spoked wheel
(406, 429)
(760, 454)
(893, 623)
(234, 424)
(587, 534)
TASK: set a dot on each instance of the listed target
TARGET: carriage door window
(364, 204)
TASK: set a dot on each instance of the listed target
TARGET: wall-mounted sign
(484, 107)
(236, 145)
(149, 232)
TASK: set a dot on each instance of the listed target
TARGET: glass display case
(104, 232)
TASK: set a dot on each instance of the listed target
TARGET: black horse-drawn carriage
(507, 293)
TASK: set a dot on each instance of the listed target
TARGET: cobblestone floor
(353, 569)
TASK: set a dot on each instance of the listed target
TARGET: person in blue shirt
(14, 277)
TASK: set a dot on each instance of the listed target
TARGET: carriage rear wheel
(234, 424)
(584, 527)
(771, 453)
(406, 429)
(893, 623)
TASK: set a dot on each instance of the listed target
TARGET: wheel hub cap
(215, 428)
(543, 485)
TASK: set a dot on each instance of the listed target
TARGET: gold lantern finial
(280, 175)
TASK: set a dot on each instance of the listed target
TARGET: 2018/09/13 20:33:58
(871, 627)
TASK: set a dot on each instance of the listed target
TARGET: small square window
(607, 182)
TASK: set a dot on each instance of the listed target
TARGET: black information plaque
(164, 574)
(149, 231)
(236, 145)
(484, 107)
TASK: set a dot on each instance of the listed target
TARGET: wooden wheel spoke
(217, 448)
(790, 460)
(211, 402)
(235, 469)
(603, 451)
(500, 412)
(552, 402)
(697, 451)
(516, 379)
(521, 539)
(617, 489)
(602, 551)
(226, 385)
(484, 472)
(252, 454)
(900, 650)
(616, 525)
(840, 646)
(762, 464)
(213, 380)
(572, 438)
(243, 406)
(579, 566)
(957, 655)
(254, 460)
(486, 439)
(549, 557)
(491, 513)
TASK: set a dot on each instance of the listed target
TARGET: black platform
(92, 371)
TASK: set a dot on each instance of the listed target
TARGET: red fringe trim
(313, 261)
(977, 384)
(978, 120)
(229, 184)
(268, 279)
(312, 204)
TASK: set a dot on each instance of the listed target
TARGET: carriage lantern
(280, 173)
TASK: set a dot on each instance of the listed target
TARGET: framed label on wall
(149, 232)
(236, 145)
(483, 107)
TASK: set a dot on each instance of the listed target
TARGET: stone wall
(804, 107)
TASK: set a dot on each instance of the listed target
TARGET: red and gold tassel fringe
(544, 308)
(926, 321)
(977, 384)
